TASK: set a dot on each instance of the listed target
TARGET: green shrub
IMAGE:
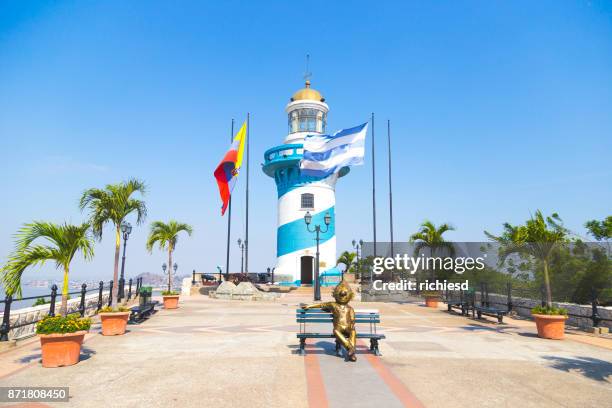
(553, 311)
(41, 301)
(109, 309)
(58, 324)
(169, 293)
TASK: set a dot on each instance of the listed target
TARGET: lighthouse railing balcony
(284, 152)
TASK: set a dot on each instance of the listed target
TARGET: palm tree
(537, 238)
(347, 258)
(601, 230)
(166, 236)
(113, 204)
(64, 242)
(430, 236)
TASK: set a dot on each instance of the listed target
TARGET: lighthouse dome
(307, 93)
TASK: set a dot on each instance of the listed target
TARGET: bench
(145, 308)
(311, 316)
(485, 307)
(463, 302)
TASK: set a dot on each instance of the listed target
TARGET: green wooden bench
(313, 316)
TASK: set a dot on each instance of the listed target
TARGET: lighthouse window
(307, 120)
(307, 201)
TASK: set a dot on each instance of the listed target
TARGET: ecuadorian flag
(227, 171)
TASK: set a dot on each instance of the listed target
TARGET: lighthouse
(298, 194)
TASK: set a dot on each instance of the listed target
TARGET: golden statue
(343, 317)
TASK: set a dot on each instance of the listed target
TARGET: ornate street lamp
(317, 230)
(358, 247)
(220, 273)
(241, 246)
(126, 229)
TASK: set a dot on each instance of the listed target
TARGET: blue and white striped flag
(325, 154)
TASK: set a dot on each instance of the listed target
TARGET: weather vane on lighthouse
(307, 74)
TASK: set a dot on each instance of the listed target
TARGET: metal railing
(6, 326)
(482, 297)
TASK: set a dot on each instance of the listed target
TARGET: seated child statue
(343, 317)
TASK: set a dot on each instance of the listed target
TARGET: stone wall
(35, 313)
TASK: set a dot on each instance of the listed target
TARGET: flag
(325, 154)
(227, 171)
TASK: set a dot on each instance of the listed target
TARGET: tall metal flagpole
(373, 186)
(390, 191)
(246, 233)
(229, 220)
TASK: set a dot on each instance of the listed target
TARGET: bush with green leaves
(169, 293)
(58, 324)
(110, 309)
(40, 301)
(550, 311)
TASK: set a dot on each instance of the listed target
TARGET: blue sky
(498, 108)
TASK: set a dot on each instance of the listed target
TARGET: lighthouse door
(306, 270)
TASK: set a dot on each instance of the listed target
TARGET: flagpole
(246, 233)
(229, 219)
(373, 186)
(390, 191)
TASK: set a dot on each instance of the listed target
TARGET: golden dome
(307, 93)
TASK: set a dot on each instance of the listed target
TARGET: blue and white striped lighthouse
(297, 194)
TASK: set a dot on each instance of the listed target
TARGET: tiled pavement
(222, 353)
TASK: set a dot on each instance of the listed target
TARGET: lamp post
(175, 267)
(358, 246)
(241, 246)
(317, 230)
(126, 229)
(220, 273)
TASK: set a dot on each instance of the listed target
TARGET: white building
(297, 194)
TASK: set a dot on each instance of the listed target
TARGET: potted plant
(171, 299)
(114, 320)
(538, 238)
(550, 321)
(166, 236)
(431, 237)
(61, 339)
(431, 298)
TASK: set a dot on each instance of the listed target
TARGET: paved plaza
(243, 354)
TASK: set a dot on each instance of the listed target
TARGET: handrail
(6, 327)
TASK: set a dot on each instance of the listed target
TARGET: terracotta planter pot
(171, 301)
(550, 326)
(431, 301)
(114, 324)
(61, 349)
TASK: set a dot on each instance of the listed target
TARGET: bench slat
(329, 319)
(331, 336)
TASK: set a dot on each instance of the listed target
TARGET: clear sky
(497, 109)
